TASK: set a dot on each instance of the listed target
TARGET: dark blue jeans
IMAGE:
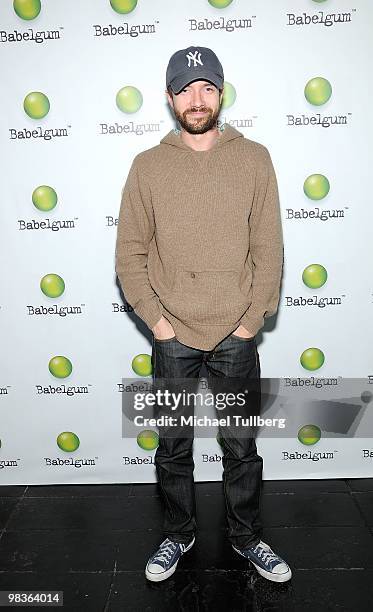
(242, 475)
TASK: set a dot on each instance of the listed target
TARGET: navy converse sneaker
(268, 564)
(163, 563)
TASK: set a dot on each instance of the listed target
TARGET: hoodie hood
(228, 133)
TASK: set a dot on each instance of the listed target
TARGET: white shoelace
(266, 555)
(166, 551)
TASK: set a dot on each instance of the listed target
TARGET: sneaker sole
(168, 573)
(262, 572)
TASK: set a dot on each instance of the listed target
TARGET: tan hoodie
(200, 238)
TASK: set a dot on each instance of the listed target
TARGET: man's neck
(201, 142)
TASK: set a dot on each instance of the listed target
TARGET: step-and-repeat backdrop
(83, 91)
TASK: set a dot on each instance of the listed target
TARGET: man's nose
(197, 98)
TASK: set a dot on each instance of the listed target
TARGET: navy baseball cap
(193, 64)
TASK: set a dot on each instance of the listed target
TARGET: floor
(92, 543)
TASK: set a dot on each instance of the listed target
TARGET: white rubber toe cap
(281, 568)
(154, 568)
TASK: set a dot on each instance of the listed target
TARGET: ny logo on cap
(195, 58)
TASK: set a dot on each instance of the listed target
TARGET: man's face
(197, 106)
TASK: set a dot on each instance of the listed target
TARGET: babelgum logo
(316, 186)
(229, 96)
(52, 285)
(309, 434)
(129, 99)
(142, 364)
(27, 9)
(318, 91)
(44, 198)
(36, 105)
(60, 367)
(148, 439)
(68, 441)
(123, 6)
(220, 3)
(312, 358)
(314, 276)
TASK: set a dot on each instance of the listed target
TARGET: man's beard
(198, 125)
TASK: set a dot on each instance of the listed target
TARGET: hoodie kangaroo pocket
(207, 297)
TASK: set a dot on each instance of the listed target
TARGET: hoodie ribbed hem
(202, 337)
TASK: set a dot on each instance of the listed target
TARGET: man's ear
(169, 98)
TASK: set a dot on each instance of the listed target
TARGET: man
(199, 256)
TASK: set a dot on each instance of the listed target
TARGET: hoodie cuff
(252, 323)
(150, 312)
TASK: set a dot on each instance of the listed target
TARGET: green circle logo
(312, 358)
(229, 95)
(123, 6)
(27, 9)
(319, 0)
(36, 105)
(60, 367)
(314, 276)
(318, 91)
(44, 198)
(309, 434)
(220, 3)
(142, 364)
(129, 99)
(316, 186)
(52, 285)
(366, 397)
(148, 439)
(68, 441)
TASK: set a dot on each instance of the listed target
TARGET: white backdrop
(83, 147)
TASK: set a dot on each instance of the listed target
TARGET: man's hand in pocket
(242, 332)
(163, 330)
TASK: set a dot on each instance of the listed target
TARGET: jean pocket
(240, 339)
(164, 339)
